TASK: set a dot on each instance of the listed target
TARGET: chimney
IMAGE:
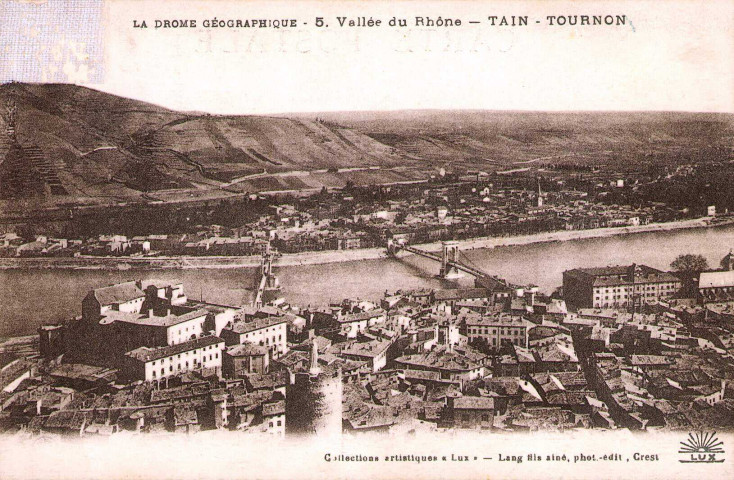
(150, 313)
(168, 312)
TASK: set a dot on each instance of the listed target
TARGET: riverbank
(338, 256)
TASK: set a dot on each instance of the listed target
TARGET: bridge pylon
(268, 280)
(449, 257)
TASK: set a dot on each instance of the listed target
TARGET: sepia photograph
(366, 240)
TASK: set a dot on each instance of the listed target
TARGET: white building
(353, 324)
(270, 332)
(152, 364)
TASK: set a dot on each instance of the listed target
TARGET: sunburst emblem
(701, 443)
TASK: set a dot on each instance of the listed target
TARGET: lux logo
(703, 448)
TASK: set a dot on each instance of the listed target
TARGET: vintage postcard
(411, 239)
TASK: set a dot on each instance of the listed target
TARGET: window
(163, 371)
(280, 422)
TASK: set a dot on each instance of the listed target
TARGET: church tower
(540, 195)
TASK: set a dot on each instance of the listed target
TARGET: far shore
(335, 256)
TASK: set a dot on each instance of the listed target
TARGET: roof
(322, 343)
(88, 373)
(460, 293)
(274, 408)
(244, 326)
(569, 398)
(411, 374)
(357, 317)
(494, 321)
(643, 360)
(598, 312)
(159, 283)
(246, 349)
(556, 353)
(366, 349)
(268, 381)
(621, 275)
(523, 354)
(185, 416)
(474, 403)
(151, 319)
(66, 419)
(120, 293)
(716, 279)
(440, 360)
(146, 354)
(180, 392)
(600, 271)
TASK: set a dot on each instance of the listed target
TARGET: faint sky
(679, 56)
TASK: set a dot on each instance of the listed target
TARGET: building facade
(496, 331)
(152, 364)
(270, 332)
(618, 286)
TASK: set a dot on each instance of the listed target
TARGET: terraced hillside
(73, 144)
(70, 145)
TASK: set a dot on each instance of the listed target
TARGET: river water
(32, 297)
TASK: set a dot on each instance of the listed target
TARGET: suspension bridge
(452, 261)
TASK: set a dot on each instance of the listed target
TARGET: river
(29, 298)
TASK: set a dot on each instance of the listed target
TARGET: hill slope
(80, 143)
(65, 144)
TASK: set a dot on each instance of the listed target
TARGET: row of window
(186, 364)
(194, 352)
(493, 331)
(652, 286)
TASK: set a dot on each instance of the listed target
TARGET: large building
(129, 322)
(454, 364)
(151, 364)
(497, 330)
(353, 324)
(270, 332)
(714, 287)
(125, 297)
(618, 286)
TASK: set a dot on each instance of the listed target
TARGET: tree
(689, 263)
(727, 263)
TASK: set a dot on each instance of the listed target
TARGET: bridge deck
(480, 275)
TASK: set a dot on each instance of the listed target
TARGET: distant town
(616, 347)
(448, 207)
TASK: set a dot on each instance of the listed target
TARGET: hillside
(64, 145)
(86, 145)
